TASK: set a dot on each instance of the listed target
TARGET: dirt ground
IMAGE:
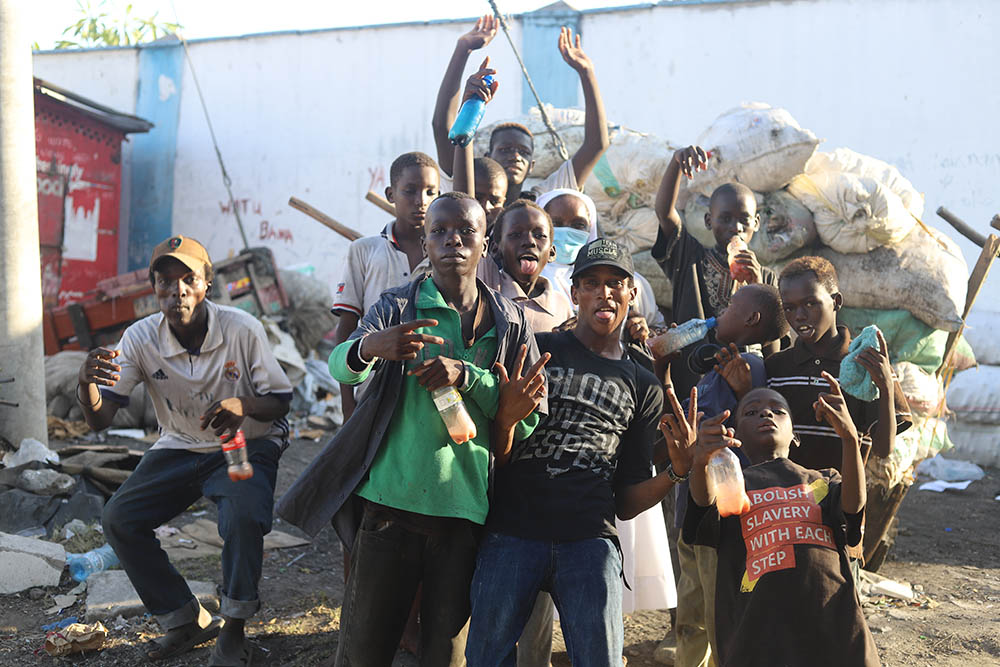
(948, 546)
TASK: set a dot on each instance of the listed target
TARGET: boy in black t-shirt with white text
(551, 524)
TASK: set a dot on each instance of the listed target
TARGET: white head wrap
(588, 202)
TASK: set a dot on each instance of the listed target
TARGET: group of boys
(449, 307)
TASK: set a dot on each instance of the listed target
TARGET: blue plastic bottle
(82, 566)
(680, 337)
(468, 119)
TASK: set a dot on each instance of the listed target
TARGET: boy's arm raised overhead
(464, 176)
(446, 106)
(687, 161)
(595, 130)
(831, 408)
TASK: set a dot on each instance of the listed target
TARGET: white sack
(982, 331)
(846, 160)
(974, 396)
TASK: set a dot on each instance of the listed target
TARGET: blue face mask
(568, 242)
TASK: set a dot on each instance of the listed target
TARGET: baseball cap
(186, 250)
(603, 252)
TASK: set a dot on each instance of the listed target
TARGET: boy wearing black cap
(210, 372)
(551, 524)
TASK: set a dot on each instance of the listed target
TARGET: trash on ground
(76, 638)
(57, 625)
(950, 470)
(940, 485)
(30, 450)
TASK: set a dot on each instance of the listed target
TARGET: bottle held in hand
(680, 337)
(236, 457)
(725, 475)
(453, 412)
(737, 271)
(469, 117)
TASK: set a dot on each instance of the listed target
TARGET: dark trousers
(165, 483)
(389, 560)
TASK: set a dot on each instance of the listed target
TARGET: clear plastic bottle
(236, 456)
(468, 118)
(737, 271)
(680, 337)
(82, 566)
(725, 476)
(453, 412)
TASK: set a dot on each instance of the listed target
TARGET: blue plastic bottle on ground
(82, 566)
(468, 119)
(680, 337)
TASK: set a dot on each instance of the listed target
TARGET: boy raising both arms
(783, 571)
(419, 498)
(512, 144)
(393, 258)
(552, 517)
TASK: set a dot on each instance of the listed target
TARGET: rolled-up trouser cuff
(237, 608)
(186, 614)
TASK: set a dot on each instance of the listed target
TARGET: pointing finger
(832, 381)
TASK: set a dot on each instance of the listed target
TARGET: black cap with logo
(603, 252)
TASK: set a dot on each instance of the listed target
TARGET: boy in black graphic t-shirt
(551, 523)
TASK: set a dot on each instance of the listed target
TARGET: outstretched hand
(572, 51)
(481, 34)
(98, 368)
(691, 159)
(832, 408)
(734, 369)
(877, 363)
(680, 430)
(399, 343)
(476, 87)
(520, 394)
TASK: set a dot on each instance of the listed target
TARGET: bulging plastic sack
(760, 146)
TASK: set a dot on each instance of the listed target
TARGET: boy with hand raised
(512, 144)
(409, 499)
(783, 570)
(702, 284)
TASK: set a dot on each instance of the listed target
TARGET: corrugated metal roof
(127, 123)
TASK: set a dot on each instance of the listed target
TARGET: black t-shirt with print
(784, 595)
(560, 482)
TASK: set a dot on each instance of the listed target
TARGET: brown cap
(186, 250)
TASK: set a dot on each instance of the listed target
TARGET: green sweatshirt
(418, 467)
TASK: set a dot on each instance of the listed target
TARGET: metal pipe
(21, 348)
(961, 227)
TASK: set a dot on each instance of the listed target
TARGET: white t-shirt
(234, 360)
(374, 264)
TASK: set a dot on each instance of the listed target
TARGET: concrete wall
(320, 115)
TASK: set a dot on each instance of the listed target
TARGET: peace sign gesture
(520, 394)
(680, 431)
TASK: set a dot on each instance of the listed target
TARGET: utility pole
(21, 348)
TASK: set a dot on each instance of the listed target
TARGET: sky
(218, 18)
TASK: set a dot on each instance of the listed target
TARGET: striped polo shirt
(234, 360)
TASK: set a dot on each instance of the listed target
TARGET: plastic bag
(974, 396)
(925, 273)
(981, 330)
(755, 144)
(950, 470)
(923, 391)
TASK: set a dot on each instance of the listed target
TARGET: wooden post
(381, 202)
(990, 249)
(315, 213)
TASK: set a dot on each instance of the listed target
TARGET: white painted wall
(314, 114)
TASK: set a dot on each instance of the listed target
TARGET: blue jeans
(584, 579)
(164, 484)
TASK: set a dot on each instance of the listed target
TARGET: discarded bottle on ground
(236, 456)
(82, 566)
(469, 117)
(680, 337)
(453, 412)
(737, 271)
(725, 475)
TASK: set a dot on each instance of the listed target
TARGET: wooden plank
(381, 202)
(315, 213)
(976, 280)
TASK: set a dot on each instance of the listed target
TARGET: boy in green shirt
(424, 497)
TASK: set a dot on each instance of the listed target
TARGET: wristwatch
(677, 479)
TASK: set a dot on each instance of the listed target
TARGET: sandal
(219, 660)
(157, 650)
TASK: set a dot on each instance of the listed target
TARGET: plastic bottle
(726, 477)
(453, 412)
(236, 456)
(469, 117)
(82, 566)
(738, 271)
(680, 337)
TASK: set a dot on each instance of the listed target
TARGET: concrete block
(46, 482)
(110, 593)
(26, 562)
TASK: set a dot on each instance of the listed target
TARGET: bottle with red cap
(235, 451)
